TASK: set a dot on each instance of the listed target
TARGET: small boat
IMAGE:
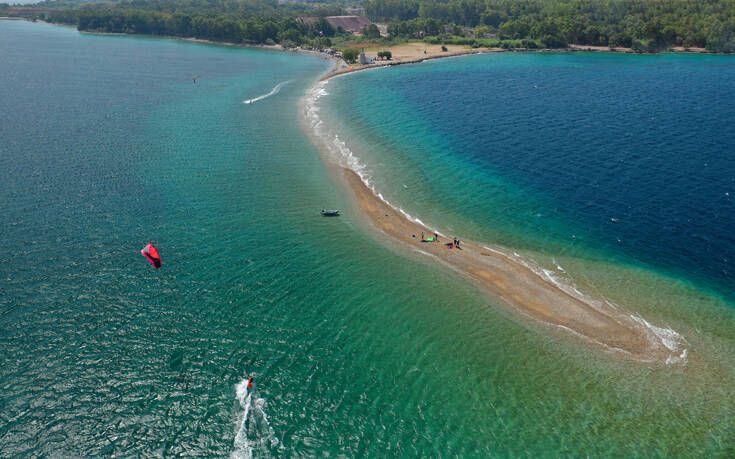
(330, 213)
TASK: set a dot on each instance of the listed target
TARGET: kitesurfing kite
(150, 252)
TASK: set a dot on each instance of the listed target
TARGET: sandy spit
(517, 283)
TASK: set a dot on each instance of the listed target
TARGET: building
(363, 59)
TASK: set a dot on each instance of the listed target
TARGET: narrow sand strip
(518, 286)
(516, 282)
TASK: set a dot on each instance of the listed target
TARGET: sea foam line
(658, 336)
(274, 91)
(338, 150)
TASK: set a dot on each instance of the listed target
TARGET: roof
(351, 23)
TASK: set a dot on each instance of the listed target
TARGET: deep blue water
(628, 155)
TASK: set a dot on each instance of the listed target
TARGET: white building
(362, 59)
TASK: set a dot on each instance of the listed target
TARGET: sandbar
(512, 281)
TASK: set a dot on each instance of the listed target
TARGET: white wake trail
(253, 429)
(273, 92)
(242, 445)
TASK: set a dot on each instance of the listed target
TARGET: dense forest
(644, 25)
(237, 21)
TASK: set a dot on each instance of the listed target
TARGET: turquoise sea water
(356, 349)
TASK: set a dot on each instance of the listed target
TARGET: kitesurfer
(150, 252)
(250, 383)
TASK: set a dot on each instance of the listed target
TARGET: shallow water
(106, 144)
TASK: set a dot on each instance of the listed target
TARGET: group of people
(453, 244)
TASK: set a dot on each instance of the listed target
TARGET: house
(363, 59)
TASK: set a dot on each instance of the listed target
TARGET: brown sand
(410, 53)
(516, 285)
(415, 50)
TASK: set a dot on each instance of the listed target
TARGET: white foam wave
(253, 429)
(666, 337)
(661, 338)
(273, 92)
(558, 266)
(409, 216)
(564, 284)
(339, 152)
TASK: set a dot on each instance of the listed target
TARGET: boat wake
(254, 433)
(273, 92)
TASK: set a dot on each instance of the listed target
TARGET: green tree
(371, 31)
(646, 25)
(515, 29)
(291, 35)
(322, 26)
(350, 54)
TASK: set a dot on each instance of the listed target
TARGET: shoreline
(570, 48)
(473, 51)
(385, 64)
(519, 285)
(203, 41)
